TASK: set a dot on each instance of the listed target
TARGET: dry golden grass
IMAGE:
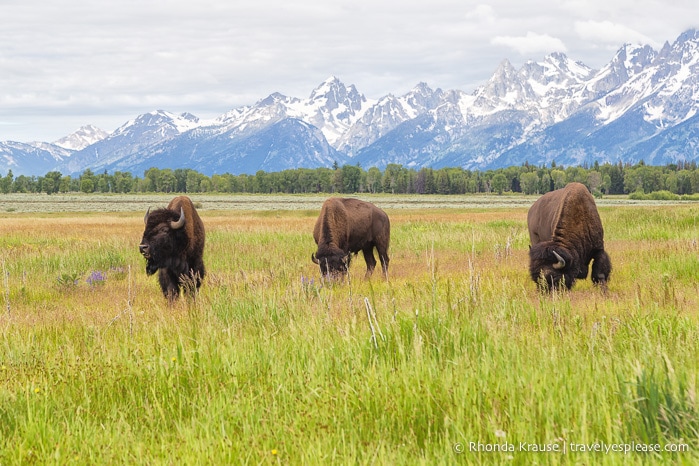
(451, 243)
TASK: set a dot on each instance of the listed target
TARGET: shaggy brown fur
(566, 234)
(173, 245)
(347, 226)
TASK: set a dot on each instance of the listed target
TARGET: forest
(675, 180)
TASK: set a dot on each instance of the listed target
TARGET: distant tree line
(679, 179)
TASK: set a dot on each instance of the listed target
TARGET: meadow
(455, 359)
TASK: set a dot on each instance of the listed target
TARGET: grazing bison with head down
(173, 245)
(566, 234)
(347, 226)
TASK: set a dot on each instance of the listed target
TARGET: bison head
(333, 263)
(551, 266)
(164, 240)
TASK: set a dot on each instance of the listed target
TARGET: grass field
(463, 363)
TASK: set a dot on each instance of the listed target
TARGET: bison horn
(561, 261)
(179, 223)
(314, 258)
(145, 217)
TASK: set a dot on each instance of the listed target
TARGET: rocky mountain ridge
(641, 106)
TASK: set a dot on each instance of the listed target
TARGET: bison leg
(370, 260)
(191, 281)
(601, 268)
(384, 264)
(582, 273)
(169, 283)
(198, 272)
(383, 257)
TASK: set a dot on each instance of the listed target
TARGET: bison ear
(145, 217)
(179, 223)
(314, 259)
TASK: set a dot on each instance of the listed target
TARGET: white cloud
(70, 63)
(531, 43)
(482, 14)
(608, 32)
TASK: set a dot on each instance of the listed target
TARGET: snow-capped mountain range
(642, 105)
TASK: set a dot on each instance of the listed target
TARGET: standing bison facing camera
(173, 245)
(347, 226)
(566, 235)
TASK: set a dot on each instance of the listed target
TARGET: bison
(566, 233)
(173, 245)
(347, 226)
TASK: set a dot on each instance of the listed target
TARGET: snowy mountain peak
(166, 123)
(690, 35)
(687, 45)
(503, 74)
(331, 86)
(274, 98)
(83, 137)
(333, 94)
(643, 104)
(506, 89)
(559, 64)
(420, 99)
(632, 59)
(421, 88)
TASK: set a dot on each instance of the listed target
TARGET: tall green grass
(272, 365)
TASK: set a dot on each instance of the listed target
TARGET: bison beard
(566, 235)
(345, 227)
(173, 245)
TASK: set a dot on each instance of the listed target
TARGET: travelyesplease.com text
(564, 447)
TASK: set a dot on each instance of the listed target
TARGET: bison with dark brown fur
(347, 226)
(566, 235)
(173, 245)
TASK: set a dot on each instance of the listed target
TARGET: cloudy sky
(68, 63)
